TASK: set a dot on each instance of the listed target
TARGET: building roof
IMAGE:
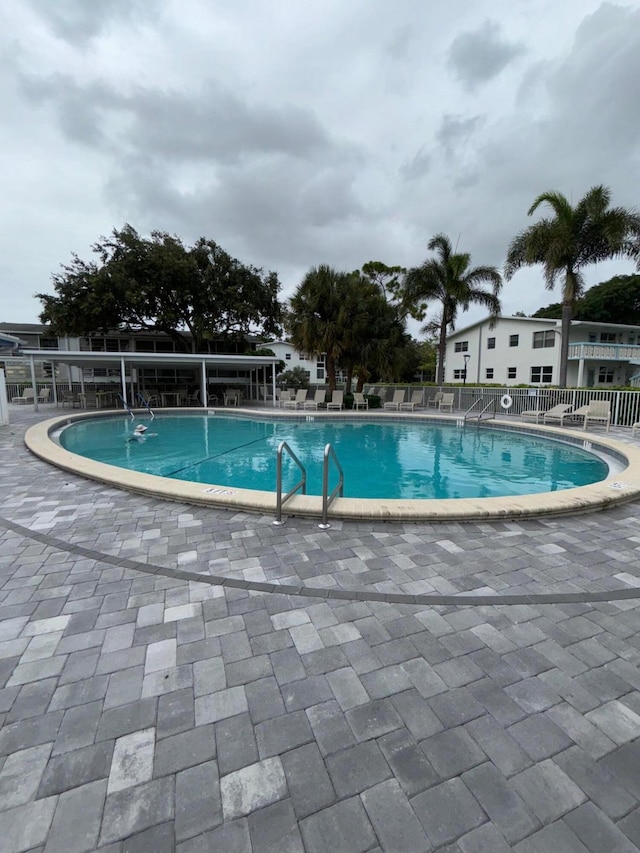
(497, 320)
(114, 359)
(544, 320)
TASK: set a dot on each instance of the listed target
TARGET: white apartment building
(315, 367)
(526, 351)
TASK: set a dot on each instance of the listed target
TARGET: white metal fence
(625, 405)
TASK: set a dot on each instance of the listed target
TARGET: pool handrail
(280, 499)
(326, 497)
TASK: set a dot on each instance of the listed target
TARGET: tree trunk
(567, 313)
(347, 389)
(442, 348)
(331, 372)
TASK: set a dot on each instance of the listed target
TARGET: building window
(607, 337)
(489, 372)
(512, 372)
(544, 339)
(605, 375)
(462, 346)
(48, 343)
(458, 374)
(491, 343)
(542, 374)
(287, 356)
(514, 340)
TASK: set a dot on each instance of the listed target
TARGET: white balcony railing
(606, 352)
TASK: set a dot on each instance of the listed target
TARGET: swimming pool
(402, 460)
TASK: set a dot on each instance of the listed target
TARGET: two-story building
(315, 367)
(526, 351)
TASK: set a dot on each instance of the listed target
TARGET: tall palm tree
(316, 317)
(570, 240)
(448, 279)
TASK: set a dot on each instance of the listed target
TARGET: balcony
(605, 352)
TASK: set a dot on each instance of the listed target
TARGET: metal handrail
(326, 497)
(472, 407)
(280, 500)
(478, 415)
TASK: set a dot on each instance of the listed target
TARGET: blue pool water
(391, 460)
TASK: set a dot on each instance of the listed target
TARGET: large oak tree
(159, 283)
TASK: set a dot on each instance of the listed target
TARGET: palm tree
(315, 320)
(569, 241)
(448, 279)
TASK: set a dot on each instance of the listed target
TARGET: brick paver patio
(160, 691)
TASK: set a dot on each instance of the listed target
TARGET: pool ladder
(327, 499)
(486, 410)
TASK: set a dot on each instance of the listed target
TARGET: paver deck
(181, 678)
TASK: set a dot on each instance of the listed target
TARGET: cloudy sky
(297, 133)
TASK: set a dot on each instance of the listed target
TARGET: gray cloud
(417, 167)
(479, 56)
(213, 125)
(294, 136)
(80, 21)
(455, 133)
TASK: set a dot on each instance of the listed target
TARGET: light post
(466, 357)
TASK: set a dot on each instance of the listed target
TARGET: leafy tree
(614, 301)
(428, 356)
(448, 279)
(295, 378)
(159, 283)
(375, 341)
(550, 312)
(387, 279)
(573, 238)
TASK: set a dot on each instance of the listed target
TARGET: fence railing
(625, 405)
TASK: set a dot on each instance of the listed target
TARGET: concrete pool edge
(617, 488)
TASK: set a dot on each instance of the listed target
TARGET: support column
(123, 382)
(580, 372)
(54, 387)
(204, 391)
(32, 365)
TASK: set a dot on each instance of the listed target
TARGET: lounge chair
(151, 399)
(192, 399)
(416, 401)
(534, 414)
(283, 397)
(435, 400)
(446, 402)
(394, 403)
(558, 413)
(27, 396)
(599, 413)
(360, 401)
(337, 400)
(45, 395)
(317, 400)
(299, 399)
(578, 414)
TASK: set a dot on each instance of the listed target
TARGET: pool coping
(617, 488)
